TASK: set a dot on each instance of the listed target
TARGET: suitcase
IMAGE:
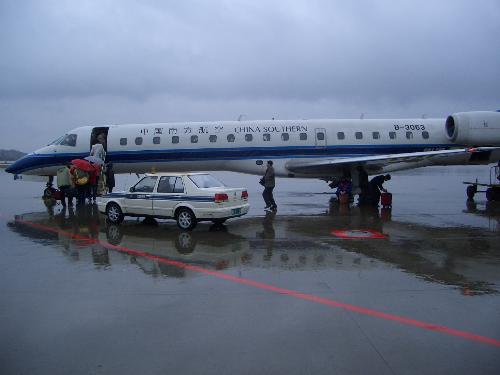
(386, 199)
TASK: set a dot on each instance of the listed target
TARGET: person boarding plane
(322, 149)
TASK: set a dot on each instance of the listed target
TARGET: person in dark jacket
(110, 177)
(269, 184)
(363, 185)
(376, 186)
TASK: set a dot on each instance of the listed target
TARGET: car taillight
(221, 197)
(244, 194)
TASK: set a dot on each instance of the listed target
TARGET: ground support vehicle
(492, 189)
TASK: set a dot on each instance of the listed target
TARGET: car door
(139, 200)
(169, 192)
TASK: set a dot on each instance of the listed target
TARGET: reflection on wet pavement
(315, 288)
(351, 240)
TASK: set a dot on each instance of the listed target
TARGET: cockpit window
(69, 140)
(57, 141)
(65, 140)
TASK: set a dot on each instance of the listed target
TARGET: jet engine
(474, 128)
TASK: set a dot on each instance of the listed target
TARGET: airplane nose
(19, 165)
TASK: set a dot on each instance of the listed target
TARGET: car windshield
(146, 185)
(205, 181)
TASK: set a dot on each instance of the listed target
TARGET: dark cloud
(303, 57)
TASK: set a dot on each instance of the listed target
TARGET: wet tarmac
(313, 289)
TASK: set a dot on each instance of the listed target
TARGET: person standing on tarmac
(375, 187)
(269, 184)
(110, 177)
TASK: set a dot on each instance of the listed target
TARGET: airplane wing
(390, 162)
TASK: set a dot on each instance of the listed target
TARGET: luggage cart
(492, 189)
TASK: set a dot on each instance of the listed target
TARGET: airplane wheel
(492, 194)
(471, 191)
(186, 219)
(114, 213)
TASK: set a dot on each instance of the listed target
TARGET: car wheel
(185, 243)
(186, 219)
(114, 213)
(114, 234)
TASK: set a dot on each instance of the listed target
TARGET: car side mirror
(131, 189)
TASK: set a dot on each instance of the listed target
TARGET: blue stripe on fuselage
(34, 161)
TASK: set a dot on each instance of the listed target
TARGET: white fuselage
(243, 146)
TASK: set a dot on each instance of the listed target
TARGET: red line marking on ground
(357, 234)
(271, 288)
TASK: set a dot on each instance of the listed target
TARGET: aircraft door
(320, 137)
(99, 135)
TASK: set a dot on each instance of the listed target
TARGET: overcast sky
(65, 64)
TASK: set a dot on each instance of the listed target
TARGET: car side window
(170, 184)
(146, 185)
(178, 185)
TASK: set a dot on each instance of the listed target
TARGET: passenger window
(170, 184)
(165, 185)
(285, 136)
(425, 134)
(392, 135)
(358, 135)
(138, 141)
(69, 140)
(248, 137)
(266, 137)
(231, 137)
(340, 135)
(303, 136)
(409, 135)
(146, 185)
(320, 136)
(212, 138)
(123, 141)
(175, 139)
(376, 135)
(178, 186)
(156, 140)
(194, 139)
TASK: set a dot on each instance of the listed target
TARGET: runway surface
(313, 289)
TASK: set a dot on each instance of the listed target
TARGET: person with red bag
(375, 186)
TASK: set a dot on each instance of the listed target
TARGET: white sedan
(185, 197)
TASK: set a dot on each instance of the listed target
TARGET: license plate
(236, 211)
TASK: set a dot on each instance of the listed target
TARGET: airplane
(324, 149)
